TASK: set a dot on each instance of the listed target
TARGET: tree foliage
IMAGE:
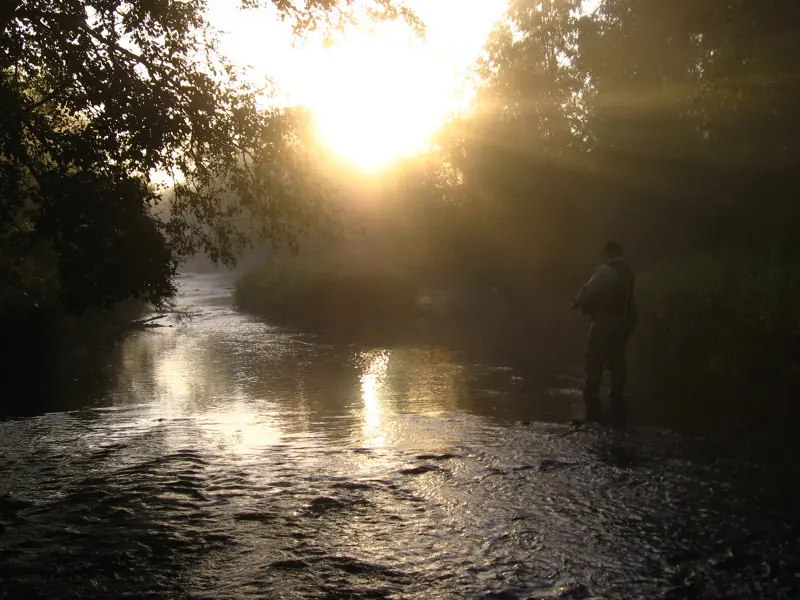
(97, 96)
(670, 124)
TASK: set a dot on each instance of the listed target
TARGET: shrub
(729, 318)
(327, 293)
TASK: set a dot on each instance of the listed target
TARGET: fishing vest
(619, 299)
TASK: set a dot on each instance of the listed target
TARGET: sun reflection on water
(241, 430)
(187, 395)
(234, 385)
(372, 392)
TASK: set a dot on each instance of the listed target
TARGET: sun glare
(377, 93)
(377, 98)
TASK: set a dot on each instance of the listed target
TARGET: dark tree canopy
(98, 95)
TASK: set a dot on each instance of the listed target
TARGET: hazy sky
(377, 96)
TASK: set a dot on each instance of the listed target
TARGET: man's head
(612, 250)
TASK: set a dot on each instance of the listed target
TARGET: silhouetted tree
(98, 95)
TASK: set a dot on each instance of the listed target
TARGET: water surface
(223, 457)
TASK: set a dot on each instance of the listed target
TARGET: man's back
(609, 293)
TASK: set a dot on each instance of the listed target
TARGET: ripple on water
(209, 483)
(556, 504)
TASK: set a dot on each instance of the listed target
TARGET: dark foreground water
(224, 458)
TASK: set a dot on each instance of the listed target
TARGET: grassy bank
(329, 294)
(724, 314)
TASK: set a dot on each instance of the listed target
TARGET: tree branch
(51, 96)
(131, 56)
(8, 9)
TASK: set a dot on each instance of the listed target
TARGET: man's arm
(603, 278)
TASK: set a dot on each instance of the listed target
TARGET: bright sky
(376, 96)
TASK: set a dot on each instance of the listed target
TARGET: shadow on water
(41, 374)
(735, 521)
(124, 504)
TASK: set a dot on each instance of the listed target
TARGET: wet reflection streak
(372, 389)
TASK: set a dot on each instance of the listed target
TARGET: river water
(226, 458)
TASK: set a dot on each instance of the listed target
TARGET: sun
(379, 91)
(378, 97)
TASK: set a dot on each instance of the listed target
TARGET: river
(227, 458)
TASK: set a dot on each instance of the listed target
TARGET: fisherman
(608, 299)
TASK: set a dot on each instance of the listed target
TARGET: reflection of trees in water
(140, 355)
(425, 380)
(162, 367)
(45, 376)
(243, 373)
(309, 388)
(185, 377)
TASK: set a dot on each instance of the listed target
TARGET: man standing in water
(608, 299)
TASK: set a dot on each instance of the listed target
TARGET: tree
(517, 151)
(666, 123)
(98, 95)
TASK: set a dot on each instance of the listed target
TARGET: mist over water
(225, 458)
